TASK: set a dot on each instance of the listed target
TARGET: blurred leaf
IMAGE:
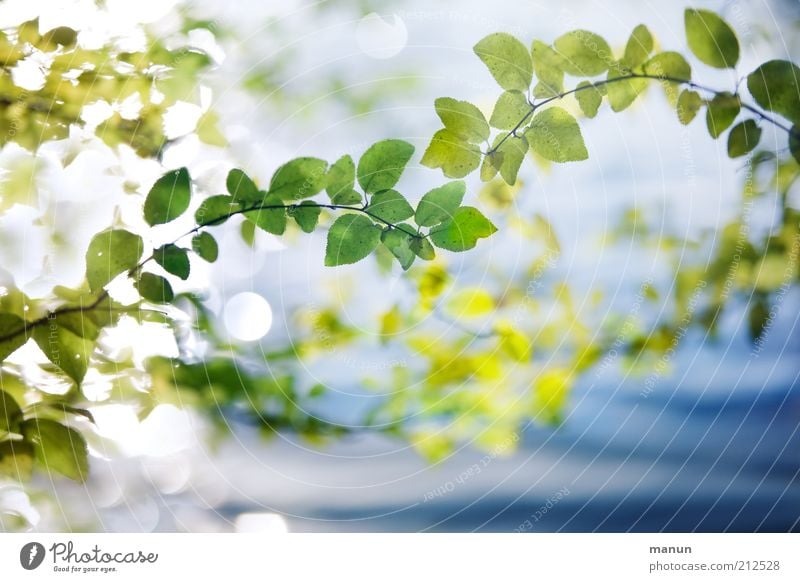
(12, 328)
(66, 350)
(423, 249)
(10, 413)
(168, 198)
(471, 302)
(58, 448)
(507, 59)
(16, 459)
(711, 39)
(382, 164)
(351, 238)
(743, 138)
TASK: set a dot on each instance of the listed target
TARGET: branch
(691, 84)
(29, 325)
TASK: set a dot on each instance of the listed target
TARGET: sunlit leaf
(205, 245)
(689, 103)
(110, 253)
(462, 119)
(721, 112)
(216, 209)
(555, 135)
(155, 288)
(471, 302)
(16, 459)
(547, 65)
(454, 156)
(241, 187)
(463, 231)
(299, 178)
(390, 206)
(10, 413)
(58, 448)
(398, 241)
(169, 197)
(589, 98)
(583, 53)
(66, 350)
(12, 334)
(173, 259)
(507, 59)
(306, 215)
(382, 164)
(711, 39)
(271, 220)
(638, 47)
(341, 179)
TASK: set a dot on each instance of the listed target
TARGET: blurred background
(699, 434)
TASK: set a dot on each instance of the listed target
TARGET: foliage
(358, 201)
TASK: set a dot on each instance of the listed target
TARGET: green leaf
(547, 66)
(169, 197)
(775, 86)
(454, 156)
(382, 164)
(16, 459)
(174, 260)
(510, 109)
(216, 209)
(669, 65)
(794, 143)
(341, 179)
(440, 204)
(491, 165)
(390, 206)
(65, 349)
(247, 230)
(555, 135)
(638, 48)
(10, 413)
(509, 157)
(463, 231)
(299, 178)
(155, 288)
(743, 138)
(589, 99)
(689, 103)
(110, 253)
(507, 59)
(12, 328)
(58, 448)
(423, 248)
(348, 198)
(463, 119)
(272, 220)
(621, 94)
(241, 187)
(399, 244)
(306, 215)
(351, 238)
(205, 245)
(583, 53)
(721, 112)
(711, 39)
